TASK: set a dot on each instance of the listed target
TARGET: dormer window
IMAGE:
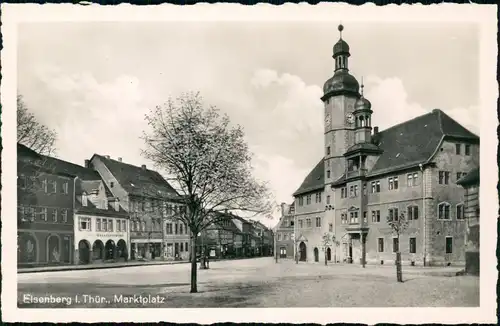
(111, 184)
(117, 205)
(84, 199)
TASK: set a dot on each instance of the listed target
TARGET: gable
(314, 181)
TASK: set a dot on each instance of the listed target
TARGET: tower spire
(362, 86)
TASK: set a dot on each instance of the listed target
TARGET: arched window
(361, 121)
(444, 211)
(460, 212)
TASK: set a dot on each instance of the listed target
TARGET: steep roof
(73, 169)
(404, 145)
(471, 178)
(139, 181)
(315, 180)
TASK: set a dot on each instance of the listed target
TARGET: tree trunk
(326, 258)
(194, 284)
(399, 271)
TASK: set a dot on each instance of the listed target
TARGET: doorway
(303, 251)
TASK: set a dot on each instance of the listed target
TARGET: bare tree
(399, 225)
(32, 133)
(207, 161)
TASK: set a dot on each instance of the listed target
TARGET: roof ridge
(440, 120)
(407, 121)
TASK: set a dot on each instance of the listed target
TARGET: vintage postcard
(262, 159)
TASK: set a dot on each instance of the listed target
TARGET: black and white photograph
(222, 156)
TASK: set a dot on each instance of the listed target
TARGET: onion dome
(341, 47)
(342, 80)
(362, 103)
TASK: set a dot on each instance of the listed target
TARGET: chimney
(143, 166)
(375, 130)
(119, 159)
(87, 163)
(107, 156)
(283, 208)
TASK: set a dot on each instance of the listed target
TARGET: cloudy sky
(93, 82)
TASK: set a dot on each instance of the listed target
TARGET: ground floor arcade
(44, 247)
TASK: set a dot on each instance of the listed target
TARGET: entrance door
(303, 251)
(84, 252)
(316, 255)
(349, 258)
(329, 254)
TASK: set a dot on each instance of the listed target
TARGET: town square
(227, 164)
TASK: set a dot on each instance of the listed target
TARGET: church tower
(341, 93)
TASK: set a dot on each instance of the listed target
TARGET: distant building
(245, 229)
(284, 231)
(367, 176)
(45, 211)
(471, 184)
(101, 225)
(151, 203)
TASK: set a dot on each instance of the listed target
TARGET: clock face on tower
(327, 120)
(349, 118)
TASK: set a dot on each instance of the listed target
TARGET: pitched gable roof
(403, 146)
(315, 180)
(139, 181)
(79, 171)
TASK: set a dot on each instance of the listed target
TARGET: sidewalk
(132, 263)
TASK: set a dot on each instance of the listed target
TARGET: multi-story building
(153, 206)
(245, 229)
(101, 225)
(45, 211)
(471, 184)
(284, 232)
(367, 176)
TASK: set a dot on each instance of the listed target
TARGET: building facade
(45, 211)
(368, 176)
(284, 232)
(471, 184)
(153, 205)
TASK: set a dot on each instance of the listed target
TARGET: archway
(53, 249)
(110, 250)
(329, 254)
(316, 254)
(303, 251)
(98, 250)
(27, 248)
(122, 249)
(83, 252)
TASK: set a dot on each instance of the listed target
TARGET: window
(285, 236)
(279, 236)
(64, 188)
(395, 244)
(458, 148)
(98, 224)
(444, 177)
(412, 213)
(460, 175)
(43, 214)
(110, 225)
(292, 223)
(301, 224)
(308, 223)
(182, 247)
(376, 216)
(375, 187)
(124, 226)
(181, 231)
(330, 227)
(84, 224)
(52, 187)
(328, 174)
(380, 244)
(365, 218)
(467, 150)
(412, 179)
(355, 190)
(393, 183)
(308, 199)
(318, 222)
(328, 199)
(343, 218)
(393, 214)
(444, 211)
(413, 245)
(64, 215)
(186, 246)
(354, 217)
(54, 215)
(449, 245)
(118, 225)
(364, 189)
(169, 228)
(104, 225)
(301, 201)
(44, 185)
(318, 197)
(460, 212)
(328, 150)
(343, 192)
(351, 191)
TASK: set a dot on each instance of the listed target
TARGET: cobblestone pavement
(251, 283)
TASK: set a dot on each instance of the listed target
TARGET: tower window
(328, 150)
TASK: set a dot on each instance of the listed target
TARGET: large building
(153, 206)
(471, 184)
(45, 198)
(367, 176)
